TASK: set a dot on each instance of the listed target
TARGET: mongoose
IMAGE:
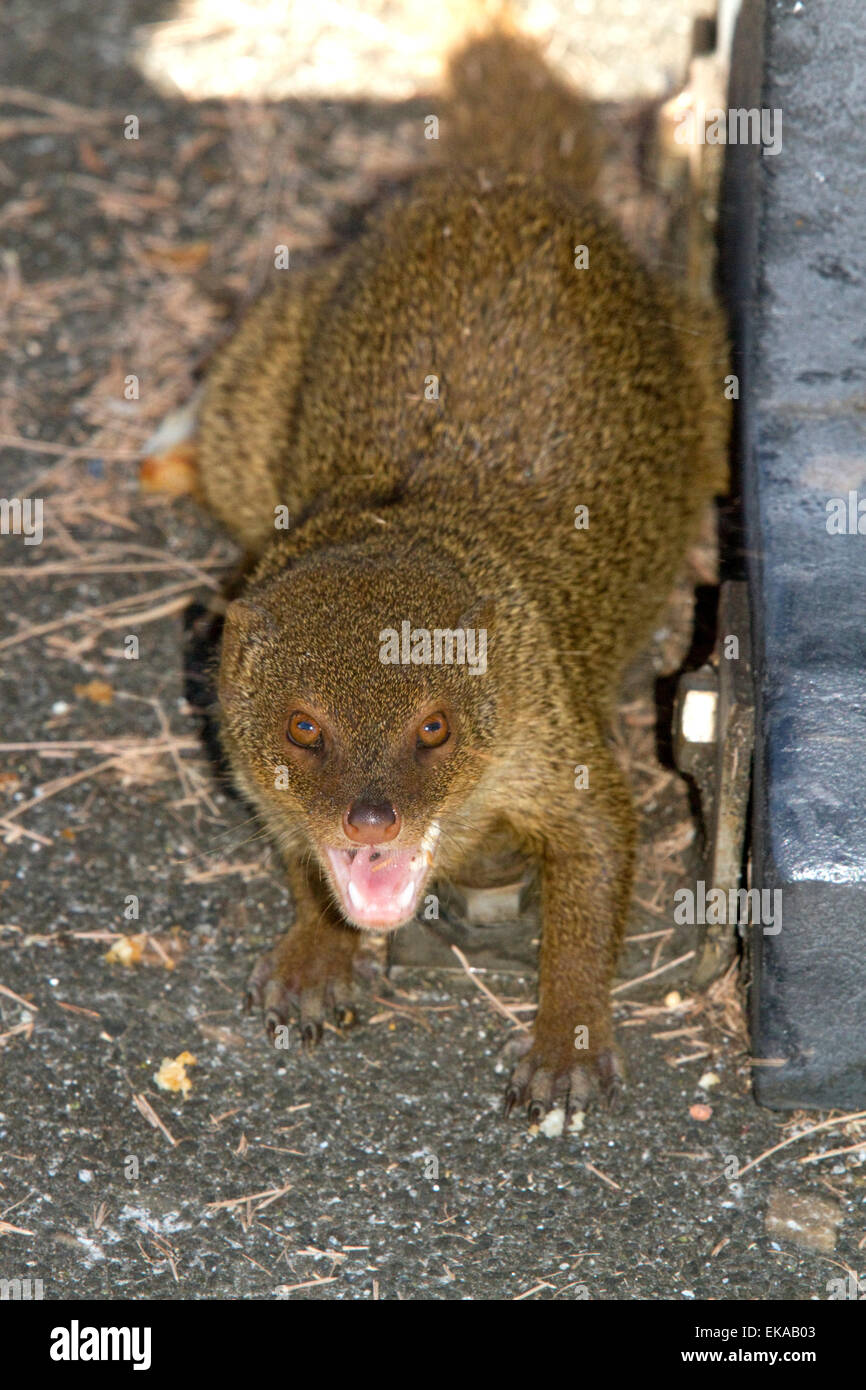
(494, 449)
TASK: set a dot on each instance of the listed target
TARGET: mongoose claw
(512, 1096)
(537, 1111)
(540, 1085)
(611, 1078)
(311, 1035)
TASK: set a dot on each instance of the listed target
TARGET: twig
(834, 1153)
(270, 1195)
(70, 451)
(10, 994)
(58, 785)
(118, 746)
(825, 1124)
(307, 1284)
(100, 612)
(536, 1288)
(688, 1057)
(144, 1107)
(15, 1031)
(72, 567)
(53, 106)
(641, 979)
(14, 833)
(488, 993)
(599, 1174)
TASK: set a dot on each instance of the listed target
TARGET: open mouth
(379, 886)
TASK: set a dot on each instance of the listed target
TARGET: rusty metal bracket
(714, 736)
(494, 921)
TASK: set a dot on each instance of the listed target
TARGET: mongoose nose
(371, 822)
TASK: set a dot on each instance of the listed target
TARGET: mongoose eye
(304, 731)
(434, 731)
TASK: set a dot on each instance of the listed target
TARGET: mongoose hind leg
(308, 975)
(246, 420)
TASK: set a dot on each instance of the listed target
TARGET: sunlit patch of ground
(393, 49)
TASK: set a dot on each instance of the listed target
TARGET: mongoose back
(493, 449)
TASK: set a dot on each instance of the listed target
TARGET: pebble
(709, 1080)
(803, 1219)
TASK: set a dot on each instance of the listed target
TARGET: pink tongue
(379, 874)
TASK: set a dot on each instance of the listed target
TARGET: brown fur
(557, 387)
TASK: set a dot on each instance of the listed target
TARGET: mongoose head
(357, 712)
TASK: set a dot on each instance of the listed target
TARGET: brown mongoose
(495, 432)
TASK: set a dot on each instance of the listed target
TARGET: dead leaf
(172, 1074)
(173, 473)
(191, 256)
(98, 692)
(90, 159)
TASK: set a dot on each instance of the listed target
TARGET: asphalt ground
(378, 1167)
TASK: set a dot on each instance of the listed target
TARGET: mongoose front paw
(550, 1074)
(304, 979)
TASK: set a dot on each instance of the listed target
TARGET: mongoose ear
(247, 629)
